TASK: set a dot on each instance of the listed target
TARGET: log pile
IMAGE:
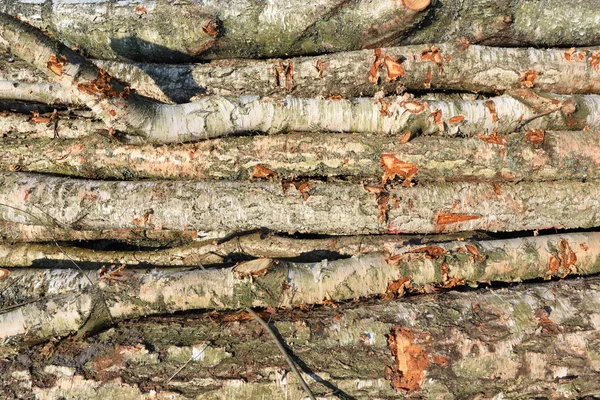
(375, 178)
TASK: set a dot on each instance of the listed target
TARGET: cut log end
(416, 5)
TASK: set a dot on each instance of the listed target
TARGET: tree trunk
(531, 340)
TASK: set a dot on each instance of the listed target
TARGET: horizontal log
(518, 157)
(254, 29)
(312, 207)
(461, 67)
(268, 283)
(535, 340)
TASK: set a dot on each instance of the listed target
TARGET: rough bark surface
(525, 341)
(316, 207)
(270, 283)
(518, 157)
(255, 29)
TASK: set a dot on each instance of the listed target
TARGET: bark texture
(532, 156)
(255, 29)
(270, 283)
(316, 207)
(531, 340)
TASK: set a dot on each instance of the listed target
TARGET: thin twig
(284, 352)
(192, 358)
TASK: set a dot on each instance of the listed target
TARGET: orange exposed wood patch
(456, 119)
(411, 360)
(374, 71)
(493, 138)
(437, 119)
(535, 137)
(394, 68)
(416, 5)
(4, 273)
(413, 106)
(450, 218)
(258, 267)
(427, 82)
(395, 167)
(433, 252)
(56, 64)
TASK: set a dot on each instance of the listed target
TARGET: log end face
(416, 5)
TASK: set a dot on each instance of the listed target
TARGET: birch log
(532, 156)
(255, 29)
(461, 67)
(316, 207)
(527, 341)
(268, 283)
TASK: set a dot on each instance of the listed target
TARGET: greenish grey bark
(559, 156)
(255, 29)
(317, 207)
(527, 341)
(269, 283)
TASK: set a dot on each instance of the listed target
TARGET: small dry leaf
(432, 55)
(433, 252)
(535, 136)
(375, 189)
(456, 119)
(413, 106)
(394, 68)
(527, 79)
(568, 53)
(394, 167)
(56, 64)
(374, 71)
(303, 186)
(398, 286)
(384, 109)
(473, 250)
(491, 106)
(595, 61)
(493, 138)
(383, 207)
(320, 66)
(464, 44)
(497, 188)
(261, 172)
(437, 118)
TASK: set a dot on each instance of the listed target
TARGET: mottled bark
(255, 29)
(14, 232)
(474, 68)
(270, 283)
(520, 157)
(162, 31)
(315, 207)
(465, 67)
(61, 125)
(525, 341)
(253, 245)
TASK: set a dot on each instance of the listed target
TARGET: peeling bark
(559, 156)
(530, 338)
(325, 208)
(254, 29)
